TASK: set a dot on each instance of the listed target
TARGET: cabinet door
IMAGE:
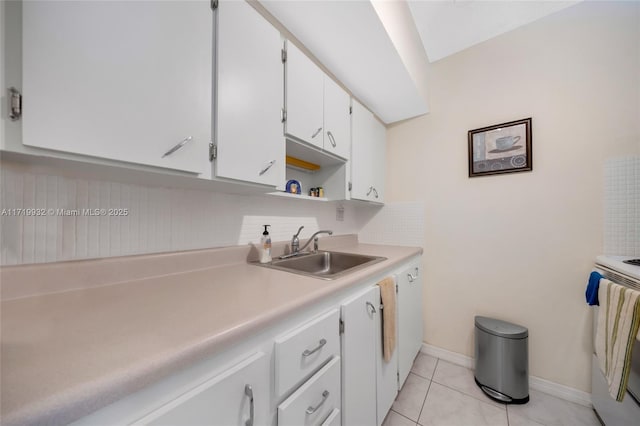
(337, 126)
(410, 323)
(127, 81)
(387, 374)
(359, 315)
(248, 92)
(304, 97)
(378, 160)
(368, 155)
(228, 399)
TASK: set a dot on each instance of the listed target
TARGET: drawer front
(236, 397)
(333, 419)
(315, 400)
(299, 353)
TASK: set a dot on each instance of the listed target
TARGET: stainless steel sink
(327, 265)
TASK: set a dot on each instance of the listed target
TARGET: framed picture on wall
(502, 148)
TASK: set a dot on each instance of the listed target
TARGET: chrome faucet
(295, 241)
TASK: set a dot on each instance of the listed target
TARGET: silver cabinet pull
(271, 163)
(312, 410)
(370, 189)
(248, 391)
(375, 192)
(178, 146)
(411, 277)
(321, 343)
(331, 139)
(373, 309)
(316, 132)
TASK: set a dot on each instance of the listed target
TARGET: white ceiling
(349, 39)
(447, 27)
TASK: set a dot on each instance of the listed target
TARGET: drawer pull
(312, 410)
(248, 391)
(321, 343)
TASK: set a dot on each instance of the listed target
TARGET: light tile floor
(438, 393)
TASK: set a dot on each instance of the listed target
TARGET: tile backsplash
(158, 220)
(622, 206)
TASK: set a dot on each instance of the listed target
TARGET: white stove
(627, 412)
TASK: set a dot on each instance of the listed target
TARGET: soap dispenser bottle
(265, 246)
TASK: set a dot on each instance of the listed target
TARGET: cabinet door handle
(178, 146)
(373, 309)
(331, 139)
(312, 409)
(248, 391)
(412, 278)
(370, 189)
(375, 192)
(316, 132)
(271, 163)
(321, 343)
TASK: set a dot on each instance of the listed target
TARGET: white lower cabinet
(299, 372)
(238, 396)
(301, 351)
(359, 315)
(315, 401)
(410, 323)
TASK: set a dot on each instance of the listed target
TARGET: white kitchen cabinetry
(387, 372)
(248, 139)
(301, 351)
(239, 396)
(368, 153)
(315, 401)
(126, 81)
(337, 125)
(410, 322)
(359, 350)
(317, 107)
(304, 97)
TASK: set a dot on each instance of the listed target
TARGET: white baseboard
(555, 389)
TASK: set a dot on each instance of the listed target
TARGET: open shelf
(298, 196)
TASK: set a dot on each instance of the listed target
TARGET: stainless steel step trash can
(502, 360)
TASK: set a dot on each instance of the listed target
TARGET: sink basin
(326, 265)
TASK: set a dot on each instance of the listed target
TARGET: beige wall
(520, 247)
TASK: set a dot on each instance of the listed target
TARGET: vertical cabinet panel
(359, 315)
(337, 126)
(387, 374)
(126, 81)
(304, 97)
(410, 322)
(228, 399)
(248, 94)
(368, 155)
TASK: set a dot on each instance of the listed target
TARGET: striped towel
(617, 328)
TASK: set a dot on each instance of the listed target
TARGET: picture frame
(501, 148)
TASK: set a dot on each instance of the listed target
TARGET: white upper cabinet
(337, 125)
(127, 81)
(304, 97)
(368, 154)
(248, 92)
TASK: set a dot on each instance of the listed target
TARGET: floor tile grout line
(470, 396)
(428, 389)
(400, 414)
